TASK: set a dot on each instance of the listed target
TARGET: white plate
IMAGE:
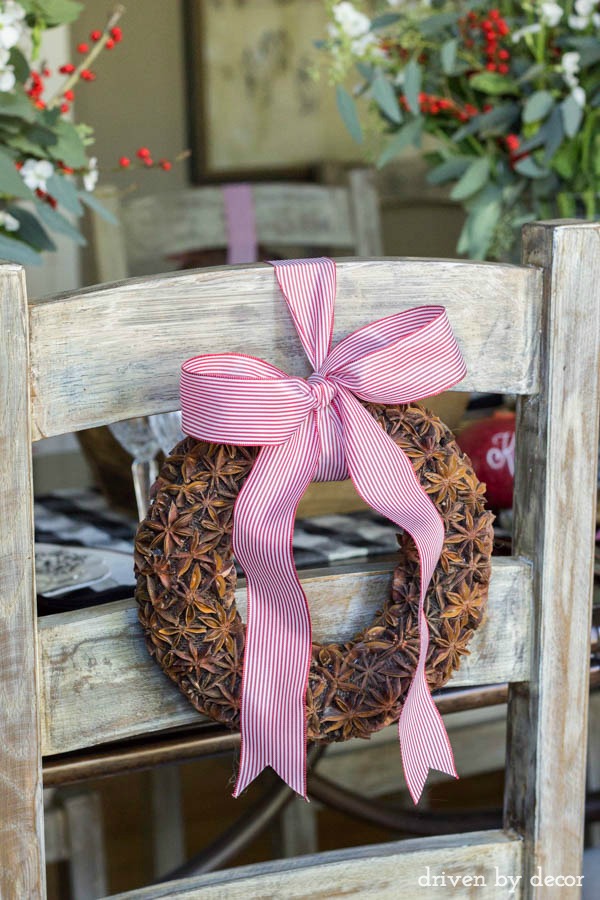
(59, 568)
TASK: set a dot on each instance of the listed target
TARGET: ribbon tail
(424, 742)
(384, 477)
(278, 635)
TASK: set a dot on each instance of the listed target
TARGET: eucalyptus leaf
(435, 24)
(384, 20)
(448, 55)
(473, 179)
(18, 252)
(494, 84)
(572, 115)
(69, 148)
(57, 222)
(20, 65)
(410, 133)
(554, 134)
(17, 105)
(412, 86)
(483, 217)
(11, 183)
(64, 191)
(53, 12)
(31, 229)
(538, 106)
(500, 118)
(347, 110)
(449, 170)
(385, 97)
(528, 167)
(92, 201)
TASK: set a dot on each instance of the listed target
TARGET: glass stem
(144, 474)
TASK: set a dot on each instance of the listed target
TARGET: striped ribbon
(316, 429)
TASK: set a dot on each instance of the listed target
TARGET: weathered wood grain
(557, 446)
(114, 352)
(381, 872)
(22, 871)
(99, 683)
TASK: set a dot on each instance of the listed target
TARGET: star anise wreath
(186, 585)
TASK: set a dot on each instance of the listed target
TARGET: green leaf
(538, 106)
(347, 110)
(494, 84)
(572, 115)
(385, 97)
(434, 24)
(475, 177)
(17, 105)
(408, 134)
(69, 147)
(484, 215)
(93, 202)
(18, 251)
(63, 190)
(20, 65)
(384, 20)
(31, 231)
(448, 55)
(53, 12)
(11, 183)
(449, 170)
(530, 169)
(500, 118)
(554, 134)
(57, 222)
(412, 86)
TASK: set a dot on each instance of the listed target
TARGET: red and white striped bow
(316, 429)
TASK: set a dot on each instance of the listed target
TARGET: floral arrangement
(510, 95)
(46, 172)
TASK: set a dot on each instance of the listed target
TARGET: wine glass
(136, 436)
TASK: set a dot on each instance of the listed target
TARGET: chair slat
(114, 352)
(464, 865)
(99, 684)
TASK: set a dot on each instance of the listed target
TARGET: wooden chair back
(154, 231)
(81, 679)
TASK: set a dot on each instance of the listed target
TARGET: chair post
(109, 238)
(22, 872)
(365, 212)
(555, 492)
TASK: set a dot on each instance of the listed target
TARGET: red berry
(19, 165)
(95, 35)
(488, 107)
(69, 95)
(444, 104)
(110, 44)
(487, 25)
(64, 107)
(491, 67)
(166, 165)
(88, 75)
(40, 104)
(83, 48)
(52, 201)
(143, 153)
(503, 69)
(67, 69)
(512, 141)
(124, 162)
(116, 33)
(504, 54)
(46, 72)
(503, 28)
(67, 169)
(494, 14)
(463, 117)
(148, 161)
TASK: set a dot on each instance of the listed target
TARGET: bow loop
(318, 430)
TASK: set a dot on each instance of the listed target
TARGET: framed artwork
(255, 107)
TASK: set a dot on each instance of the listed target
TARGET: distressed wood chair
(79, 680)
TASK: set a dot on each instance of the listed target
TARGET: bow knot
(304, 436)
(322, 389)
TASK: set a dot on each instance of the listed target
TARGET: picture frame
(256, 108)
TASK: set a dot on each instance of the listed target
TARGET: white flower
(90, 179)
(351, 20)
(8, 222)
(527, 29)
(578, 95)
(11, 24)
(585, 7)
(36, 172)
(570, 62)
(7, 79)
(578, 23)
(551, 14)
